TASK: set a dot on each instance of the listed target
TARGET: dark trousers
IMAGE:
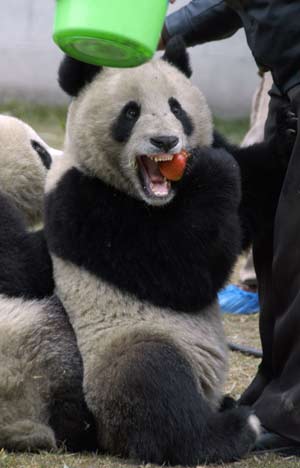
(275, 391)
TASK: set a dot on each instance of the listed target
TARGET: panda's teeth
(163, 158)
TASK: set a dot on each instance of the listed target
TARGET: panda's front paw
(227, 403)
(241, 429)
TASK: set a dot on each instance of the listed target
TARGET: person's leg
(263, 259)
(278, 406)
(284, 393)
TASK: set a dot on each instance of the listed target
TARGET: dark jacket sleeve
(203, 21)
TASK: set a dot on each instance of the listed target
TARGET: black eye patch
(182, 116)
(43, 153)
(123, 126)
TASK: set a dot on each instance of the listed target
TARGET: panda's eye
(43, 153)
(182, 116)
(125, 122)
(132, 111)
(175, 106)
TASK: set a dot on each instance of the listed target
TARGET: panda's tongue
(158, 184)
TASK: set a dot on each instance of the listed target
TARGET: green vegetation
(234, 130)
(48, 122)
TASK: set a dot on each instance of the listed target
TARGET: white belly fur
(100, 313)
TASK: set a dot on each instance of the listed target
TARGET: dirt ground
(50, 123)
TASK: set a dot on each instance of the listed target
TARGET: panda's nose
(164, 143)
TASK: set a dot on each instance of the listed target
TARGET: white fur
(24, 378)
(89, 143)
(22, 174)
(59, 167)
(39, 360)
(254, 423)
(101, 314)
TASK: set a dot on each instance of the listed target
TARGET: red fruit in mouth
(173, 170)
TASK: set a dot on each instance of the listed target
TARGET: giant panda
(41, 400)
(138, 259)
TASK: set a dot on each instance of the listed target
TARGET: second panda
(41, 399)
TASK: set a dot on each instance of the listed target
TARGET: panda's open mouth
(154, 183)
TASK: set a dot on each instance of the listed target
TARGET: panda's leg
(23, 413)
(27, 435)
(149, 408)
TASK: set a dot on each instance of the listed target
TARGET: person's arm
(202, 21)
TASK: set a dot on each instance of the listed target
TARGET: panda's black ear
(74, 75)
(176, 54)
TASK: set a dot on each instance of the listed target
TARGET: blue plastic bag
(234, 300)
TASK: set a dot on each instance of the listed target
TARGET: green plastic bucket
(113, 33)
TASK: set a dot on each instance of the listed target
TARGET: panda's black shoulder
(220, 141)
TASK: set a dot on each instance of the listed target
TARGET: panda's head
(24, 161)
(123, 121)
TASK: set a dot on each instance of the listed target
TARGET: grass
(82, 461)
(234, 130)
(50, 124)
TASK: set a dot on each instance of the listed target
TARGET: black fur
(72, 422)
(26, 268)
(151, 409)
(124, 124)
(227, 403)
(263, 168)
(182, 116)
(43, 153)
(262, 179)
(174, 256)
(176, 54)
(164, 143)
(73, 75)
